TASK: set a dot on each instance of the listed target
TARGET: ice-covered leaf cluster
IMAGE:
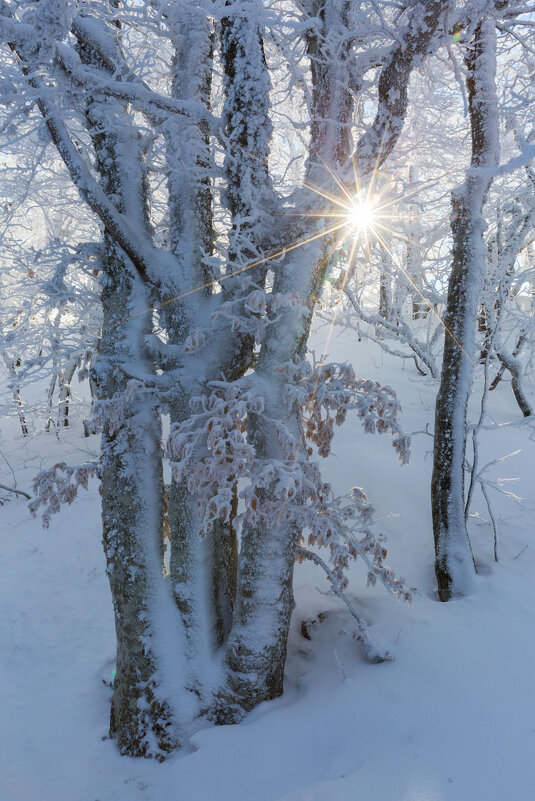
(326, 394)
(220, 446)
(59, 485)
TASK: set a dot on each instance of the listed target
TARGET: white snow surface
(452, 719)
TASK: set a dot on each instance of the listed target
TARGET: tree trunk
(202, 571)
(147, 625)
(132, 519)
(64, 382)
(454, 563)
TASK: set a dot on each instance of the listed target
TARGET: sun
(362, 215)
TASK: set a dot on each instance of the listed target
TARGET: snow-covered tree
(225, 151)
(472, 259)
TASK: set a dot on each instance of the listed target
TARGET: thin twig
(493, 521)
(16, 491)
(10, 467)
(520, 552)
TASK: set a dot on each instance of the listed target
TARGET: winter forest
(267, 400)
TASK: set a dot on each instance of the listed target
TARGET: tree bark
(454, 563)
(132, 520)
(202, 572)
(142, 717)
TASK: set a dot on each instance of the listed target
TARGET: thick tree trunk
(132, 518)
(202, 571)
(149, 661)
(454, 562)
(256, 650)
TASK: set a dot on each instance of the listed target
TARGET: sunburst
(364, 217)
(367, 215)
(370, 216)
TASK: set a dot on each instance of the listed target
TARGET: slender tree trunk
(64, 381)
(515, 368)
(420, 307)
(454, 562)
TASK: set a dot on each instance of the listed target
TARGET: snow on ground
(452, 719)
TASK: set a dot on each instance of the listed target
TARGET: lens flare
(362, 215)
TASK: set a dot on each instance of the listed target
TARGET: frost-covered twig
(326, 394)
(516, 351)
(492, 519)
(400, 331)
(371, 651)
(513, 365)
(211, 451)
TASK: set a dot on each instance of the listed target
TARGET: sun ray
(354, 165)
(328, 196)
(323, 356)
(321, 214)
(349, 263)
(217, 281)
(362, 218)
(341, 186)
(394, 234)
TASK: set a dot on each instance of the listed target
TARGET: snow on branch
(16, 491)
(372, 653)
(379, 140)
(217, 429)
(524, 159)
(59, 485)
(146, 259)
(111, 413)
(326, 394)
(142, 97)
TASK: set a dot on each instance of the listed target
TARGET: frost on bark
(256, 648)
(130, 464)
(329, 48)
(256, 651)
(511, 363)
(378, 142)
(132, 507)
(454, 562)
(64, 381)
(199, 568)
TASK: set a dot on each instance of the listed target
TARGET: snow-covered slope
(452, 719)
